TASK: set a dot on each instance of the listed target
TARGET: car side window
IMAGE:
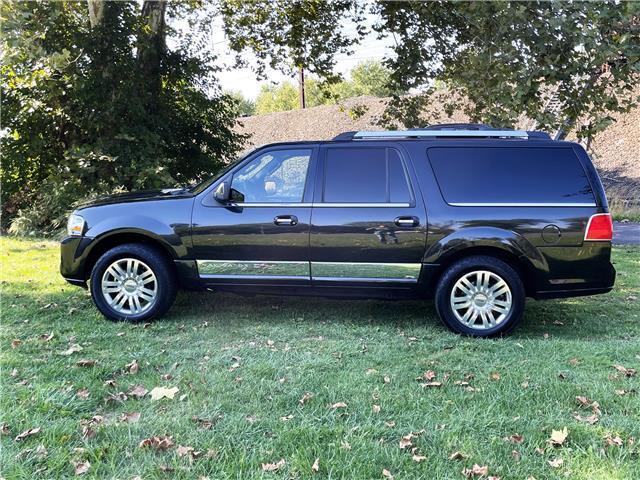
(365, 175)
(277, 176)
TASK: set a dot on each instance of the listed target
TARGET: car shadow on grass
(588, 318)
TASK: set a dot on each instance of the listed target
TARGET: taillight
(599, 228)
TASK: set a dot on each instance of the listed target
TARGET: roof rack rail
(481, 133)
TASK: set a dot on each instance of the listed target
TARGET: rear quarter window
(488, 175)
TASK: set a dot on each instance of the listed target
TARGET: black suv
(479, 218)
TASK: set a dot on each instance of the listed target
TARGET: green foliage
(286, 35)
(92, 109)
(507, 57)
(277, 98)
(366, 78)
(245, 106)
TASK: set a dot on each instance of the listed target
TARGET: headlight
(75, 226)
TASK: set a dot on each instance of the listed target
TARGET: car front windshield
(202, 186)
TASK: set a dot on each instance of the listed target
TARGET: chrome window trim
(509, 204)
(323, 205)
(361, 205)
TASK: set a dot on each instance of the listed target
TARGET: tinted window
(278, 176)
(510, 175)
(364, 175)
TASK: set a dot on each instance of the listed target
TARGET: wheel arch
(105, 243)
(506, 245)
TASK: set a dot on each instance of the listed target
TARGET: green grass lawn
(242, 366)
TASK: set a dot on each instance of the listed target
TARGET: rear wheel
(480, 296)
(133, 282)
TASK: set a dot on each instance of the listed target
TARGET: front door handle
(286, 220)
(407, 221)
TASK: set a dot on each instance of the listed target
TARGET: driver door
(260, 236)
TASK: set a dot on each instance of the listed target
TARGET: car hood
(143, 196)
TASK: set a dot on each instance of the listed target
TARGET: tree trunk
(96, 12)
(151, 48)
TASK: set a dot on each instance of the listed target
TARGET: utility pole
(301, 87)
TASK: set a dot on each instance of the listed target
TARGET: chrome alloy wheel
(481, 300)
(129, 286)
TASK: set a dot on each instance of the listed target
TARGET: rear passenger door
(368, 224)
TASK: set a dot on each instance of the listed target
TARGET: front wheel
(132, 282)
(480, 296)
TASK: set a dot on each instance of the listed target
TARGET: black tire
(161, 268)
(480, 263)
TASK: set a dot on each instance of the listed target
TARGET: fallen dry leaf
(45, 337)
(628, 372)
(390, 424)
(15, 343)
(85, 363)
(138, 391)
(72, 349)
(591, 419)
(376, 409)
(109, 383)
(183, 451)
(251, 418)
(516, 455)
(81, 468)
(556, 462)
(131, 417)
(132, 367)
(305, 398)
(418, 458)
(14, 372)
(611, 441)
(116, 397)
(475, 471)
(574, 362)
(495, 376)
(286, 418)
(427, 376)
(273, 467)
(27, 433)
(431, 384)
(83, 393)
(157, 443)
(516, 438)
(204, 423)
(4, 429)
(583, 401)
(558, 436)
(458, 456)
(316, 465)
(386, 379)
(370, 371)
(337, 405)
(387, 474)
(405, 441)
(159, 393)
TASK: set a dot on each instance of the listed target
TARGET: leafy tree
(277, 98)
(94, 101)
(498, 59)
(507, 58)
(367, 78)
(245, 106)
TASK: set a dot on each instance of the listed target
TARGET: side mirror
(222, 193)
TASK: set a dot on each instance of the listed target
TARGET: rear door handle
(286, 220)
(407, 221)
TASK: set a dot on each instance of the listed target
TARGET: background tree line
(370, 78)
(103, 96)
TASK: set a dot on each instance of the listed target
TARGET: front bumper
(73, 258)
